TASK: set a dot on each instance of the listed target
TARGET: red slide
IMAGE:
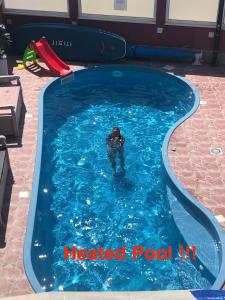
(54, 63)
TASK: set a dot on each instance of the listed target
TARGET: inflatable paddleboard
(146, 52)
(72, 42)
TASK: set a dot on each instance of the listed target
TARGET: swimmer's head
(116, 131)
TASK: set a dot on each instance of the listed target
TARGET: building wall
(135, 33)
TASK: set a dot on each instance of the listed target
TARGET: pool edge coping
(36, 286)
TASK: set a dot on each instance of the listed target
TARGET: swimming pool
(78, 201)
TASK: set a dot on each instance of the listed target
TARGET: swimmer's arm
(122, 140)
(108, 140)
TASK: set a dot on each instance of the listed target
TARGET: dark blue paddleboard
(146, 52)
(72, 42)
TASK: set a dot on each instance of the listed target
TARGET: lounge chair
(10, 105)
(4, 169)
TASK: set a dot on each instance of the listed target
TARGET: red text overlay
(184, 253)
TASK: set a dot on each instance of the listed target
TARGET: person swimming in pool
(115, 142)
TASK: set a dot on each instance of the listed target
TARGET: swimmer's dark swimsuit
(113, 143)
(115, 146)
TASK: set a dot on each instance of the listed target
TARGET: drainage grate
(173, 149)
(215, 151)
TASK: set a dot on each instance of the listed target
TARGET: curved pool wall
(187, 201)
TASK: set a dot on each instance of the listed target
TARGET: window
(192, 11)
(122, 10)
(37, 7)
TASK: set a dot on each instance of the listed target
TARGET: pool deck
(202, 173)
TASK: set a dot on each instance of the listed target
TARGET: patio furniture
(10, 105)
(4, 169)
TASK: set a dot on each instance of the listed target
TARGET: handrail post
(3, 142)
(218, 30)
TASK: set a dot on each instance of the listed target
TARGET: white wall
(194, 10)
(40, 5)
(132, 8)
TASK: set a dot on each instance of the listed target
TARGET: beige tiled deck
(160, 295)
(202, 173)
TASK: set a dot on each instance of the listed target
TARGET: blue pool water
(80, 201)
